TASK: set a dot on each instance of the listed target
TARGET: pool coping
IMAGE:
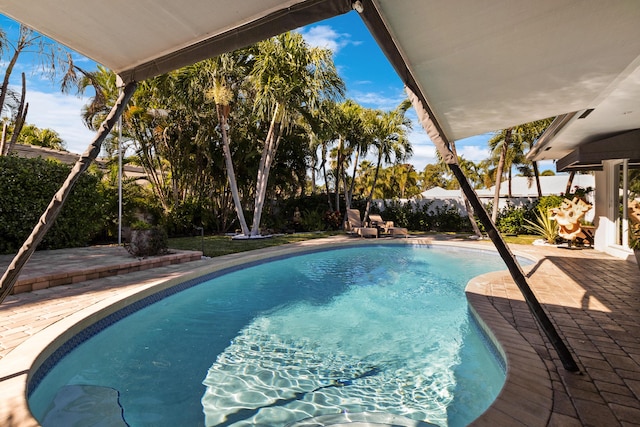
(527, 374)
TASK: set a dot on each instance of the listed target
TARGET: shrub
(147, 241)
(448, 218)
(544, 226)
(333, 220)
(549, 202)
(26, 188)
(312, 220)
(426, 218)
(514, 220)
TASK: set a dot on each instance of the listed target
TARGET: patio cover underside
(590, 156)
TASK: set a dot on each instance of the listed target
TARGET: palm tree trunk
(268, 153)
(49, 216)
(3, 139)
(339, 161)
(501, 162)
(569, 183)
(324, 173)
(467, 205)
(7, 75)
(353, 180)
(536, 174)
(21, 116)
(222, 120)
(373, 187)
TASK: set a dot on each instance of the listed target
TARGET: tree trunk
(3, 141)
(373, 187)
(268, 153)
(501, 162)
(567, 190)
(324, 173)
(223, 112)
(49, 216)
(467, 205)
(339, 161)
(7, 75)
(353, 180)
(314, 165)
(536, 174)
(21, 116)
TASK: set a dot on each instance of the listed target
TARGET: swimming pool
(375, 329)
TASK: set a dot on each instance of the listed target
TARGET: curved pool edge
(527, 395)
(524, 367)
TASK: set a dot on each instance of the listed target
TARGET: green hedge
(26, 188)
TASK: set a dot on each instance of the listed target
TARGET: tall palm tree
(288, 76)
(321, 130)
(510, 144)
(499, 143)
(359, 142)
(347, 120)
(390, 141)
(228, 73)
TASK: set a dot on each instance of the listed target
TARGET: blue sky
(370, 80)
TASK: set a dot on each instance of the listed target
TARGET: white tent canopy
(477, 66)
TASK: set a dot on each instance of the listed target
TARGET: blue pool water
(376, 329)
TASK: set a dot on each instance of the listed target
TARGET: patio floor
(592, 298)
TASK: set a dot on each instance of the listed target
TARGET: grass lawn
(213, 246)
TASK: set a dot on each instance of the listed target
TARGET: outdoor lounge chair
(387, 227)
(355, 225)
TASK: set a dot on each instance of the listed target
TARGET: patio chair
(355, 225)
(387, 227)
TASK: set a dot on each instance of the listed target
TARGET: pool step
(85, 406)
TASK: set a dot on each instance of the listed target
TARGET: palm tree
(511, 143)
(389, 133)
(288, 76)
(406, 178)
(321, 130)
(227, 75)
(499, 143)
(47, 138)
(358, 143)
(346, 122)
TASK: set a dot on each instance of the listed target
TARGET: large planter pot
(636, 252)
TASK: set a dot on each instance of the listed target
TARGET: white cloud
(325, 36)
(377, 100)
(61, 113)
(475, 153)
